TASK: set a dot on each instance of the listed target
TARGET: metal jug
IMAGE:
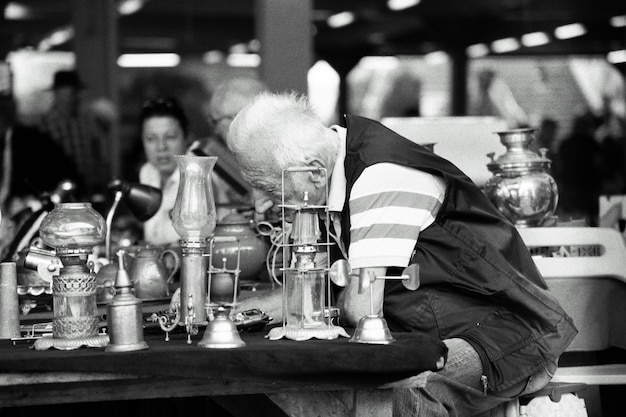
(150, 276)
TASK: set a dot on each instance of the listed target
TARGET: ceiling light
(436, 58)
(618, 21)
(340, 19)
(17, 11)
(505, 45)
(379, 62)
(617, 57)
(127, 7)
(477, 50)
(401, 4)
(57, 37)
(148, 60)
(572, 30)
(243, 60)
(535, 39)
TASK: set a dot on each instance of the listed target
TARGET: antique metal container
(521, 186)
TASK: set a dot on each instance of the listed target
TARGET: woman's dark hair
(164, 106)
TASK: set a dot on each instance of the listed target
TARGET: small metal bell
(221, 332)
(373, 330)
(124, 315)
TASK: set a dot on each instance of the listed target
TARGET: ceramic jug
(149, 274)
(250, 242)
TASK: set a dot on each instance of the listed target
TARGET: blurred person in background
(579, 172)
(228, 98)
(164, 133)
(546, 137)
(610, 135)
(82, 129)
(31, 165)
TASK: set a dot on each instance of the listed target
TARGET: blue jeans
(456, 390)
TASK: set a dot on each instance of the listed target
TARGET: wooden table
(309, 378)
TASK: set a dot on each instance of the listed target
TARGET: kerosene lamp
(193, 218)
(73, 230)
(306, 289)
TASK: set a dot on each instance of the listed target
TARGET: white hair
(276, 132)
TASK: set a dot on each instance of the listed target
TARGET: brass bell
(373, 330)
(221, 332)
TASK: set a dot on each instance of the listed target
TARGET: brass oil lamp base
(47, 342)
(299, 334)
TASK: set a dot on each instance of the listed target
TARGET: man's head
(277, 132)
(66, 87)
(229, 98)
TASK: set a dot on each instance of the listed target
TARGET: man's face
(291, 194)
(66, 99)
(221, 125)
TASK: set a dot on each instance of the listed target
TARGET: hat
(66, 78)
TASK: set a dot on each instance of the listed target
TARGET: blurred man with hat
(82, 133)
(31, 165)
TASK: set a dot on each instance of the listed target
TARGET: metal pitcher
(150, 276)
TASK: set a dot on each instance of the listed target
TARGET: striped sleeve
(389, 205)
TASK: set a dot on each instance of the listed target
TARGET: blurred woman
(164, 133)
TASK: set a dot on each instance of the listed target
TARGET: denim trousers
(456, 390)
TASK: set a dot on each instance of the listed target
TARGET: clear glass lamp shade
(193, 216)
(73, 226)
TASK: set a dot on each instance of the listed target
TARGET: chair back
(585, 268)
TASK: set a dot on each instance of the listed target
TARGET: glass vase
(193, 216)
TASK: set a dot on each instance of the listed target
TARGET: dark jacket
(39, 164)
(477, 278)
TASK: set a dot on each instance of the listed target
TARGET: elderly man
(401, 206)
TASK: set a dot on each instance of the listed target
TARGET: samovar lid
(518, 156)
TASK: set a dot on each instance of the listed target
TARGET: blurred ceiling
(197, 26)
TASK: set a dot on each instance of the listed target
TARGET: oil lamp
(73, 230)
(193, 218)
(306, 290)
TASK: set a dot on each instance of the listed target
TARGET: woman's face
(162, 138)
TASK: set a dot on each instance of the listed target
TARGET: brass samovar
(522, 187)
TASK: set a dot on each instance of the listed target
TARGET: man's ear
(318, 176)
